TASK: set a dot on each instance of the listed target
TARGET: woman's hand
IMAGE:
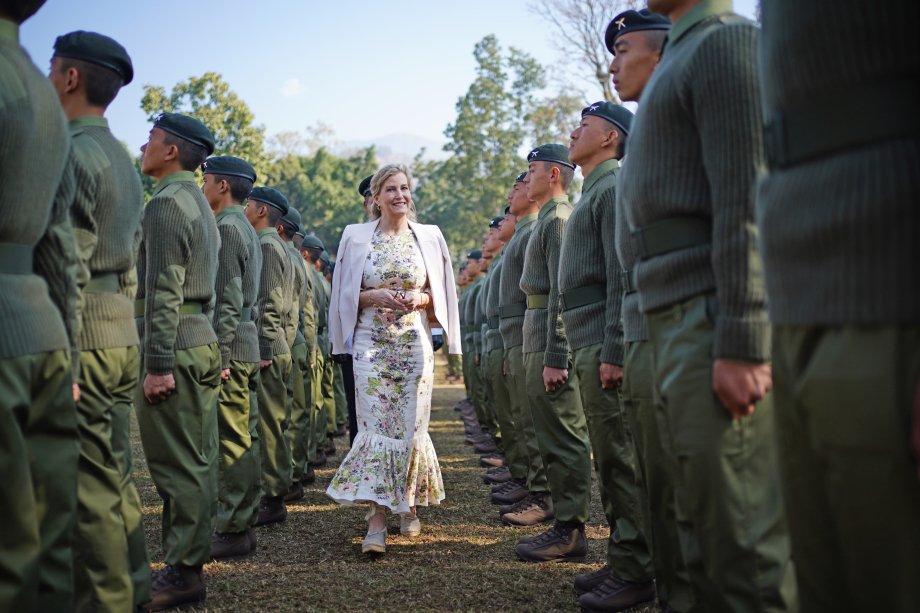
(413, 300)
(380, 298)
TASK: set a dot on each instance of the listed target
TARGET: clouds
(292, 87)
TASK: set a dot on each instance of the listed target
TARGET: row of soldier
(204, 310)
(631, 331)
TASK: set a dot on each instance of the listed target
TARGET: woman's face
(394, 198)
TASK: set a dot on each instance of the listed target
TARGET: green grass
(463, 561)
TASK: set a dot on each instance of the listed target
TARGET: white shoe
(409, 525)
(375, 542)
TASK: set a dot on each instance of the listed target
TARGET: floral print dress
(392, 461)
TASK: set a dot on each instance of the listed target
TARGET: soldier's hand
(611, 376)
(739, 386)
(264, 364)
(554, 378)
(157, 388)
(224, 374)
(76, 392)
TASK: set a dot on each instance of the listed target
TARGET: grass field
(463, 561)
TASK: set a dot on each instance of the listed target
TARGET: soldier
(304, 325)
(227, 184)
(300, 454)
(635, 38)
(314, 250)
(537, 507)
(40, 450)
(176, 271)
(364, 190)
(264, 210)
(475, 263)
(327, 385)
(488, 442)
(839, 220)
(516, 468)
(687, 192)
(87, 71)
(591, 286)
(552, 388)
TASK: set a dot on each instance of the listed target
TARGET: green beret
(301, 232)
(313, 242)
(633, 21)
(292, 220)
(496, 221)
(364, 188)
(520, 178)
(324, 257)
(271, 197)
(558, 154)
(228, 166)
(96, 49)
(186, 128)
(475, 254)
(620, 116)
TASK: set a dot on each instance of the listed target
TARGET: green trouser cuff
(726, 488)
(617, 471)
(180, 441)
(562, 434)
(523, 421)
(238, 475)
(274, 417)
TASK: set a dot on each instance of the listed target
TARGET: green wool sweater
(307, 307)
(107, 213)
(320, 309)
(273, 302)
(294, 328)
(840, 231)
(634, 327)
(543, 330)
(588, 257)
(239, 268)
(479, 315)
(177, 264)
(322, 340)
(37, 186)
(492, 338)
(461, 307)
(510, 293)
(694, 152)
(473, 335)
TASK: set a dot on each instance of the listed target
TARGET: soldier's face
(154, 152)
(253, 211)
(591, 135)
(539, 185)
(519, 200)
(506, 230)
(211, 188)
(632, 66)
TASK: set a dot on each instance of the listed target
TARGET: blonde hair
(380, 177)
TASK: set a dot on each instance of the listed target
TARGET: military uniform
(513, 304)
(591, 285)
(700, 285)
(40, 450)
(274, 309)
(319, 419)
(839, 225)
(474, 340)
(177, 269)
(238, 276)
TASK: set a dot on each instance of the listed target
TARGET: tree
(209, 99)
(580, 27)
(461, 193)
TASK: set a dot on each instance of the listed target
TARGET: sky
(365, 68)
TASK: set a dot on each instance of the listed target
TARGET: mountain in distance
(396, 148)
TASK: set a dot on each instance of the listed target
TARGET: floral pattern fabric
(392, 461)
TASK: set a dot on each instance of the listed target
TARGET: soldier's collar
(89, 120)
(551, 205)
(9, 31)
(706, 8)
(599, 171)
(176, 177)
(525, 221)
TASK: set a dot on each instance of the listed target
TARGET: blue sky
(364, 68)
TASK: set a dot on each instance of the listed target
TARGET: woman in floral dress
(390, 277)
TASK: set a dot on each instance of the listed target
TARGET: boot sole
(555, 560)
(190, 602)
(508, 522)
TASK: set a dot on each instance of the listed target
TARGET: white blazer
(349, 271)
